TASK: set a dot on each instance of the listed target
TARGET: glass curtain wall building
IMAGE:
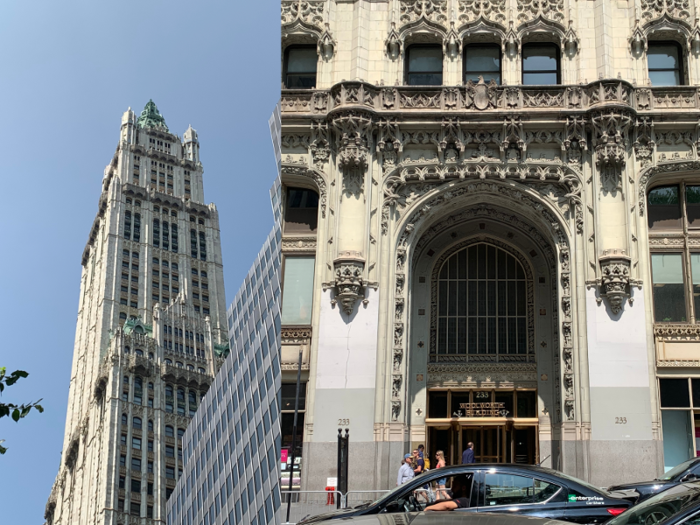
(232, 446)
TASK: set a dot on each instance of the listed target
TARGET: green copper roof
(151, 117)
(136, 326)
(222, 350)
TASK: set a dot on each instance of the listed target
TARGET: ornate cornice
(296, 335)
(677, 331)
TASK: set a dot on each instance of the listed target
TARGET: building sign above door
(483, 410)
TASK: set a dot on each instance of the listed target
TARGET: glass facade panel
(668, 287)
(674, 393)
(298, 290)
(677, 437)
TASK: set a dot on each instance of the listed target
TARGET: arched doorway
(484, 338)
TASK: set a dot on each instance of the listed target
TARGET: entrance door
(499, 443)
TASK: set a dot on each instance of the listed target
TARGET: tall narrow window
(541, 65)
(297, 292)
(173, 238)
(482, 60)
(137, 227)
(127, 225)
(424, 65)
(169, 398)
(202, 247)
(300, 67)
(138, 389)
(668, 288)
(301, 212)
(665, 61)
(193, 243)
(181, 401)
(156, 233)
(166, 236)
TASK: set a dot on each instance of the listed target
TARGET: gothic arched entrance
(484, 337)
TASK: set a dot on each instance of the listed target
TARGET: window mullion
(688, 269)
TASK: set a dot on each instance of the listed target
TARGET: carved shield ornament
(481, 95)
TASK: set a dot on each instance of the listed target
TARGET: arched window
(139, 352)
(665, 62)
(135, 255)
(156, 209)
(541, 64)
(126, 349)
(300, 63)
(168, 362)
(150, 425)
(482, 307)
(178, 364)
(190, 367)
(137, 423)
(180, 432)
(155, 261)
(126, 380)
(125, 419)
(423, 65)
(150, 386)
(150, 356)
(201, 370)
(169, 431)
(193, 243)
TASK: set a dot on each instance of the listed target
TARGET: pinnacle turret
(151, 117)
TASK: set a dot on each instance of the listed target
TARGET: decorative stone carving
(492, 10)
(349, 283)
(610, 141)
(299, 244)
(296, 335)
(320, 144)
(389, 143)
(513, 144)
(455, 375)
(551, 9)
(615, 280)
(430, 10)
(395, 410)
(326, 45)
(352, 130)
(393, 43)
(677, 331)
(652, 9)
(644, 145)
(481, 95)
(307, 11)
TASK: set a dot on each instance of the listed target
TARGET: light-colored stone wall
(400, 169)
(86, 489)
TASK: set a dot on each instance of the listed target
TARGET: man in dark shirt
(420, 463)
(468, 454)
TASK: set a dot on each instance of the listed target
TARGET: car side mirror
(689, 477)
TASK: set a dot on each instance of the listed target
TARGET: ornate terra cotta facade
(551, 178)
(151, 331)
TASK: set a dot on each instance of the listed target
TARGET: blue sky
(69, 70)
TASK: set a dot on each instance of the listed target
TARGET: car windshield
(393, 492)
(678, 469)
(659, 508)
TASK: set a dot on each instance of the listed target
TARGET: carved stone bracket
(615, 280)
(349, 283)
(352, 130)
(610, 141)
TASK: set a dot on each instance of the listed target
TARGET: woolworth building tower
(492, 219)
(150, 334)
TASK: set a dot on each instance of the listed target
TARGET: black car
(686, 471)
(675, 505)
(526, 490)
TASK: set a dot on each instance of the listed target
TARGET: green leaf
(15, 414)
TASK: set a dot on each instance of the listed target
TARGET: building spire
(151, 117)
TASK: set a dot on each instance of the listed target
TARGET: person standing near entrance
(418, 463)
(468, 454)
(406, 470)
